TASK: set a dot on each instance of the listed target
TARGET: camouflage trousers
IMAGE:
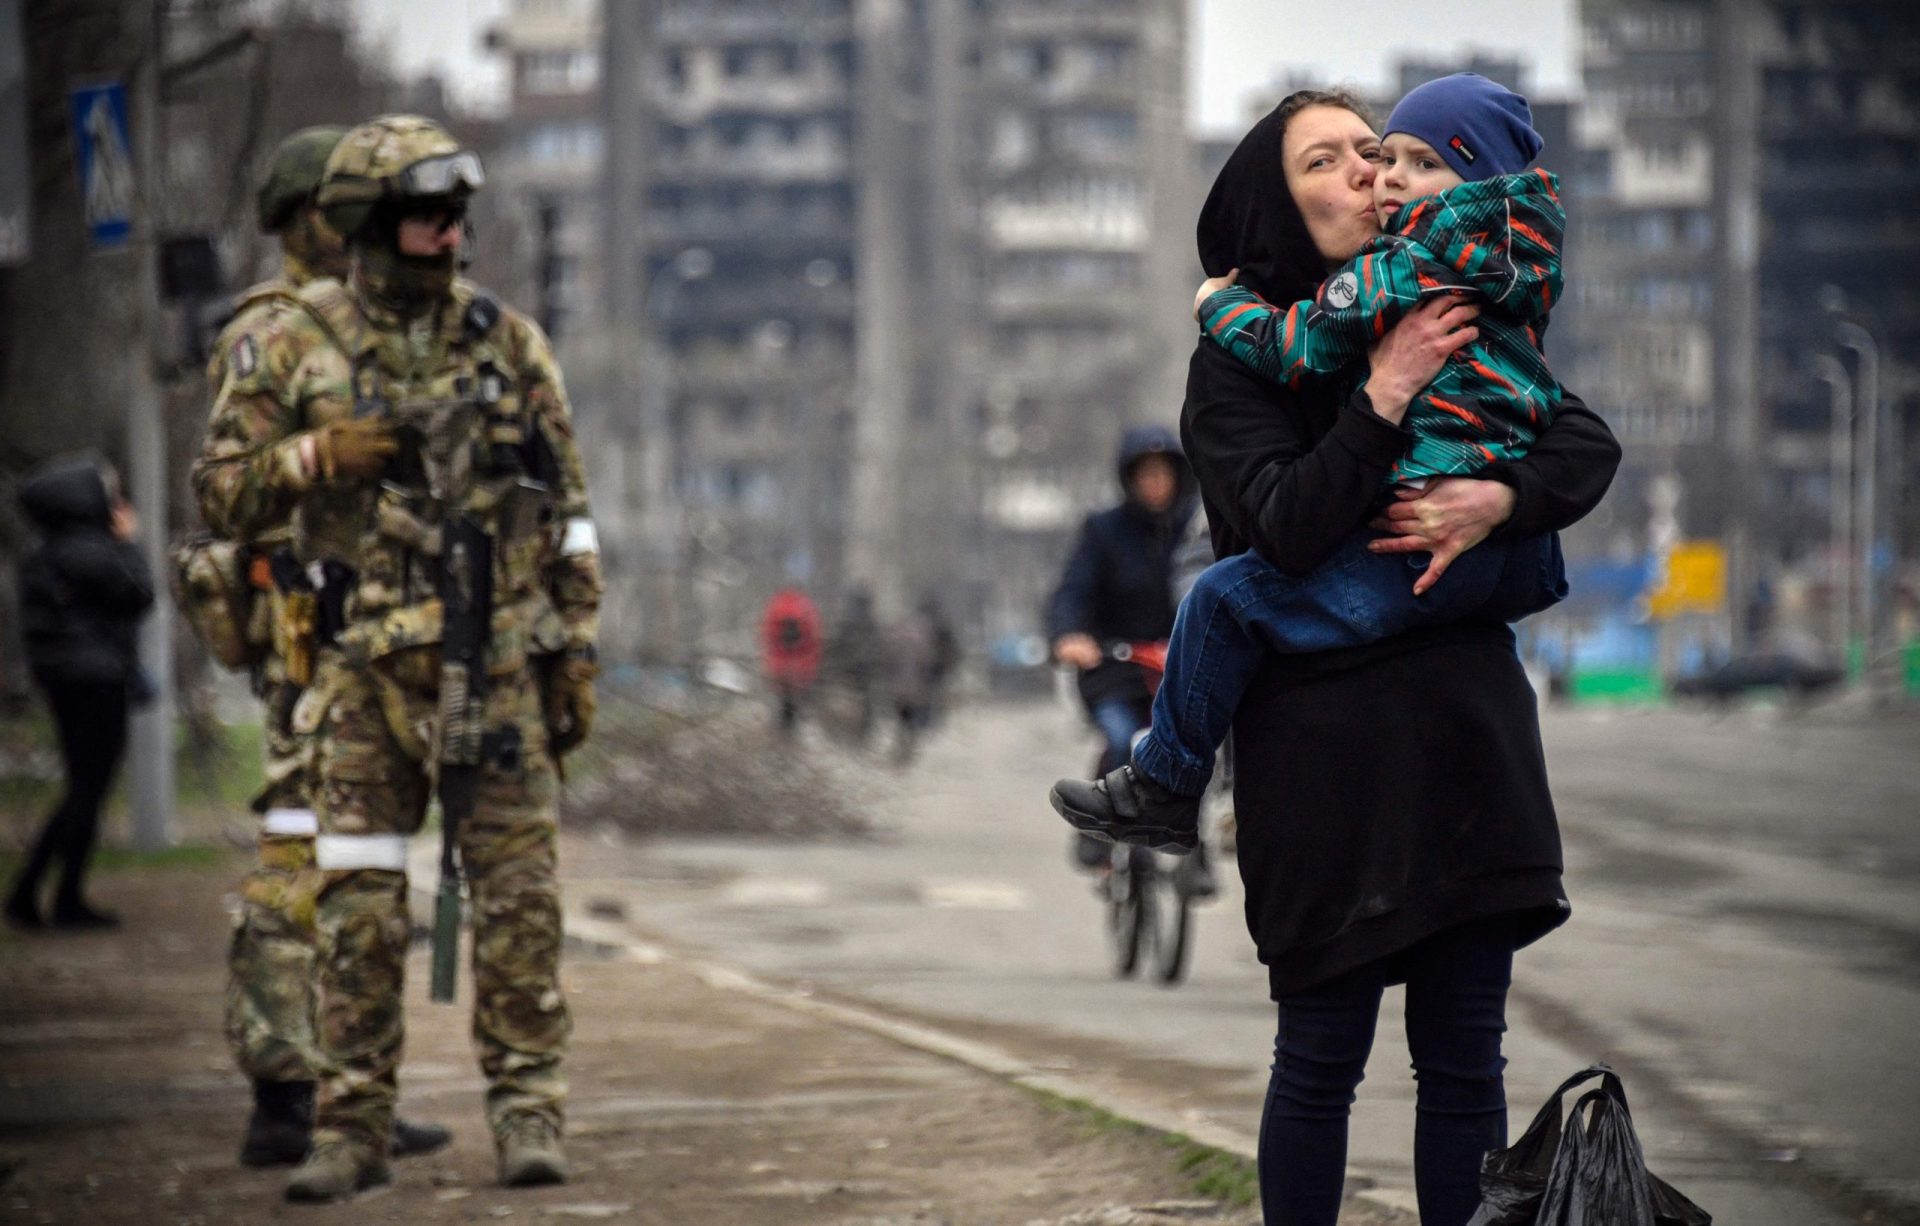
(269, 1007)
(373, 727)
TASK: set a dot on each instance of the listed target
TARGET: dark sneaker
(23, 913)
(336, 1170)
(1127, 807)
(410, 1140)
(1090, 854)
(1194, 877)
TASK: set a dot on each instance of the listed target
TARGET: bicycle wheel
(1172, 914)
(1129, 915)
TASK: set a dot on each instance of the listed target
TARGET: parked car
(1800, 675)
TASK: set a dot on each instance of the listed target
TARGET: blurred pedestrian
(790, 650)
(83, 590)
(922, 653)
(270, 960)
(854, 659)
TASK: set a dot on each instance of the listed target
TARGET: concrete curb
(984, 1057)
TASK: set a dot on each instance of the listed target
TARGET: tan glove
(338, 451)
(569, 700)
(352, 449)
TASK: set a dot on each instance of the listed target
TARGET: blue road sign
(103, 153)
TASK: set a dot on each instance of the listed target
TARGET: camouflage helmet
(292, 175)
(394, 159)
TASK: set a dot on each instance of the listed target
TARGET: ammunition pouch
(213, 585)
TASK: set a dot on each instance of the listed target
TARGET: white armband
(581, 537)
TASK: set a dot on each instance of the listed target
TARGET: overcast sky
(1238, 47)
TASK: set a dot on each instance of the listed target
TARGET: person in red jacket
(790, 645)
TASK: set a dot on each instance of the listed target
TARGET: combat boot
(281, 1125)
(530, 1152)
(336, 1170)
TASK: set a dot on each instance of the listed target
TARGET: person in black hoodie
(1395, 824)
(1118, 587)
(83, 591)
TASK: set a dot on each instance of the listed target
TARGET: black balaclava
(1250, 221)
(404, 285)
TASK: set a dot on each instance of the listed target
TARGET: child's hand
(1212, 286)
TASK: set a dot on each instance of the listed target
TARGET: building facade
(1751, 323)
(884, 280)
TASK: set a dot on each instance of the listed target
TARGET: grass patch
(216, 773)
(185, 856)
(1211, 1173)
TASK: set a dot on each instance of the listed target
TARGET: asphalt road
(1745, 945)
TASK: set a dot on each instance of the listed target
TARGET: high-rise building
(1756, 155)
(887, 278)
(1084, 195)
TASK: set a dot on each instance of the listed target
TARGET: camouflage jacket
(258, 313)
(1498, 239)
(331, 357)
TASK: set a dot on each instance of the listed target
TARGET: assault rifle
(466, 595)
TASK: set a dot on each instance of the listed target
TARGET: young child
(1462, 214)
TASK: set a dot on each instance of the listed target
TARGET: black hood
(1137, 444)
(1250, 221)
(68, 493)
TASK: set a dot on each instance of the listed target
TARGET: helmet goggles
(444, 175)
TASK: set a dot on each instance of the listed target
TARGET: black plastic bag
(1589, 1173)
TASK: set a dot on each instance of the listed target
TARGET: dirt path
(691, 1104)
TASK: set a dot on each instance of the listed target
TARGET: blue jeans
(1241, 607)
(1118, 720)
(1457, 982)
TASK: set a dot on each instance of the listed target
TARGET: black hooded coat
(1118, 584)
(1389, 791)
(82, 591)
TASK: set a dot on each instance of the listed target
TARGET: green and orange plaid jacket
(1498, 239)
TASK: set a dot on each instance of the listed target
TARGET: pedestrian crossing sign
(103, 154)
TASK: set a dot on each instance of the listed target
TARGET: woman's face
(1331, 158)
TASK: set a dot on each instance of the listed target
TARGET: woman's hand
(1078, 650)
(1450, 516)
(1212, 286)
(122, 521)
(1412, 352)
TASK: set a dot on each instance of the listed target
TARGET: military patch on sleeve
(246, 357)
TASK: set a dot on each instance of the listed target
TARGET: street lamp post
(1831, 371)
(663, 521)
(1857, 338)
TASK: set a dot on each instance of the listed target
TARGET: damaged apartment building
(881, 281)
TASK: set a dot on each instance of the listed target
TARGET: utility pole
(1736, 293)
(150, 756)
(1831, 371)
(883, 350)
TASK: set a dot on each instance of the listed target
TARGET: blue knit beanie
(1481, 128)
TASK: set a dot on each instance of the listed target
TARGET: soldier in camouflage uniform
(354, 401)
(269, 1007)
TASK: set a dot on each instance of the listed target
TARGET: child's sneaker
(1127, 807)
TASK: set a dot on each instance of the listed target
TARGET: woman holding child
(1395, 824)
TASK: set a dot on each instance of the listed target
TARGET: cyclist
(1118, 587)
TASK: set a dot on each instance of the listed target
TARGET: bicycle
(1148, 894)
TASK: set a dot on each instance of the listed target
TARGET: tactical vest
(469, 445)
